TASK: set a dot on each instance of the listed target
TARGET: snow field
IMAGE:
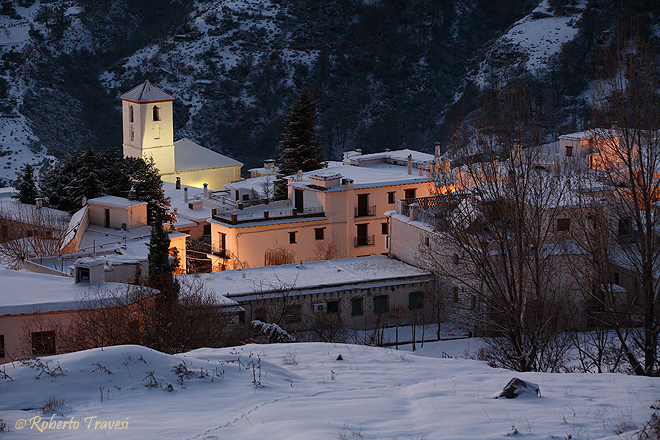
(301, 391)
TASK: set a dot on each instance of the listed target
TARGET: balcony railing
(365, 240)
(233, 217)
(365, 211)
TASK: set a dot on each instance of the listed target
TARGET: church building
(148, 131)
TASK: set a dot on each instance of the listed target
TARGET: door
(362, 234)
(299, 200)
(363, 205)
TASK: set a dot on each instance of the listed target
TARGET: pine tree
(148, 187)
(26, 185)
(299, 150)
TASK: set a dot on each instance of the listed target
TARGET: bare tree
(498, 248)
(628, 158)
(126, 316)
(27, 231)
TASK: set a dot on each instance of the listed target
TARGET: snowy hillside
(303, 391)
(531, 41)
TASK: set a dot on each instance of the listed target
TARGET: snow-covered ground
(302, 391)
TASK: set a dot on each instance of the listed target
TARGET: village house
(356, 293)
(35, 308)
(112, 230)
(335, 212)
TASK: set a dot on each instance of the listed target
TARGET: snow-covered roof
(397, 156)
(117, 202)
(24, 212)
(146, 92)
(311, 275)
(189, 156)
(374, 175)
(98, 238)
(26, 292)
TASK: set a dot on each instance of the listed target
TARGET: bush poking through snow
(290, 358)
(652, 428)
(52, 403)
(273, 332)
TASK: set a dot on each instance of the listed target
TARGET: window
(356, 306)
(384, 228)
(246, 197)
(391, 197)
(362, 209)
(563, 224)
(156, 113)
(292, 237)
(381, 304)
(569, 151)
(222, 242)
(132, 133)
(82, 275)
(456, 259)
(333, 307)
(2, 346)
(43, 343)
(426, 241)
(409, 193)
(319, 233)
(455, 294)
(130, 114)
(624, 227)
(616, 278)
(474, 302)
(294, 314)
(415, 300)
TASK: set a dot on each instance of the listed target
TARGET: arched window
(156, 113)
(130, 114)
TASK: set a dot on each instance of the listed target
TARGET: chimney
(206, 190)
(358, 150)
(410, 164)
(185, 195)
(437, 149)
(39, 202)
(178, 183)
(414, 212)
(84, 200)
(421, 172)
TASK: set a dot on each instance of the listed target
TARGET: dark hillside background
(387, 74)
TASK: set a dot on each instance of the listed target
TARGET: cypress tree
(161, 277)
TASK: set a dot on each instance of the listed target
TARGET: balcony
(365, 240)
(260, 215)
(365, 211)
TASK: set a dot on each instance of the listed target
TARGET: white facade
(148, 125)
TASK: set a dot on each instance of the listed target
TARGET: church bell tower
(148, 125)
